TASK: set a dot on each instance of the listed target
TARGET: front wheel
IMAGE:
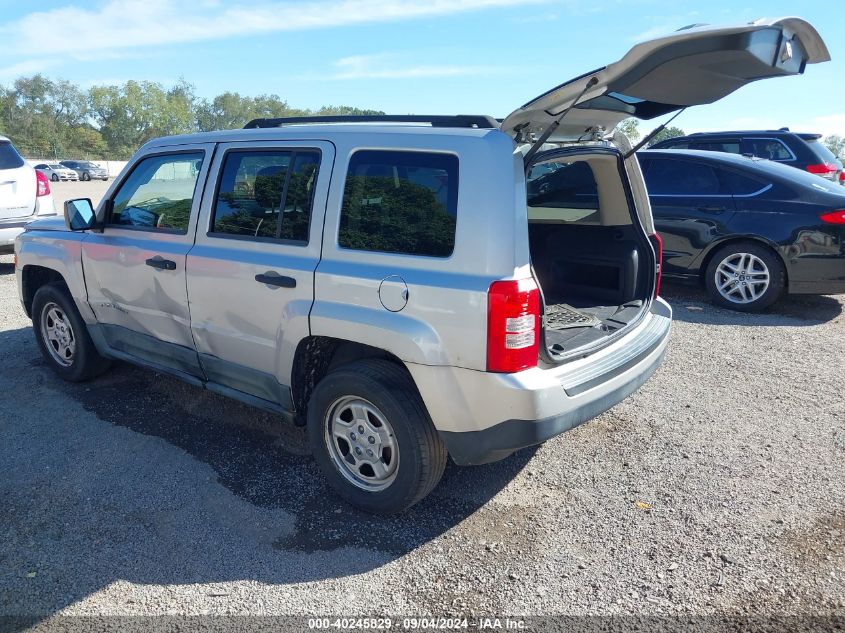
(372, 437)
(54, 178)
(62, 336)
(745, 277)
(86, 176)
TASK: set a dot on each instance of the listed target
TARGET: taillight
(513, 325)
(825, 170)
(657, 243)
(834, 217)
(842, 177)
(43, 185)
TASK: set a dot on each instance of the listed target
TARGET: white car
(56, 172)
(24, 195)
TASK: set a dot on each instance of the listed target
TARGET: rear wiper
(554, 124)
(651, 135)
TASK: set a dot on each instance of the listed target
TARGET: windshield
(9, 157)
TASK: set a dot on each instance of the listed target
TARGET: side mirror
(80, 215)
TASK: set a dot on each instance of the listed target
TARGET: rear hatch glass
(825, 155)
(9, 157)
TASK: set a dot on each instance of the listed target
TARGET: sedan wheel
(86, 176)
(742, 278)
(54, 178)
(745, 276)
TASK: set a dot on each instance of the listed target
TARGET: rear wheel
(54, 178)
(745, 276)
(62, 336)
(372, 437)
(86, 176)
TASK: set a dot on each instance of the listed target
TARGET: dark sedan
(748, 229)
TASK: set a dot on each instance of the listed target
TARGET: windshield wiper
(554, 124)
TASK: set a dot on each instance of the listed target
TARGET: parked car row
(73, 170)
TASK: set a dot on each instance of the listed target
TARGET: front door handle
(272, 279)
(713, 209)
(161, 263)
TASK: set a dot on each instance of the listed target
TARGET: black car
(748, 229)
(804, 151)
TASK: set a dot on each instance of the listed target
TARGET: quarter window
(266, 194)
(769, 148)
(400, 202)
(159, 193)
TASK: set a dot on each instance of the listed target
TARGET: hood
(694, 66)
(52, 223)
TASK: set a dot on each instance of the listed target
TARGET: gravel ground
(717, 489)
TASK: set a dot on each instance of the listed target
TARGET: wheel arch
(754, 239)
(34, 277)
(316, 356)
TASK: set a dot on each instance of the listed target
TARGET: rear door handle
(276, 280)
(712, 209)
(161, 263)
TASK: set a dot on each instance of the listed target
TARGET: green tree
(630, 128)
(835, 144)
(669, 132)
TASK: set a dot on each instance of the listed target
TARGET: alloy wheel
(361, 443)
(57, 334)
(742, 278)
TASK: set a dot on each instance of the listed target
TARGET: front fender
(60, 251)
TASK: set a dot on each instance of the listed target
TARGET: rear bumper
(483, 417)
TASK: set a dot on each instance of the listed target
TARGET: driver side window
(159, 193)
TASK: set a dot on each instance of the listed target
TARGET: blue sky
(401, 56)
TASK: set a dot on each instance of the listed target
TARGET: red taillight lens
(834, 217)
(826, 170)
(513, 325)
(657, 243)
(42, 183)
(842, 177)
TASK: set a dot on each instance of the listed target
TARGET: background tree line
(54, 118)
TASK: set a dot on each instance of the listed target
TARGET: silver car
(86, 170)
(56, 172)
(410, 288)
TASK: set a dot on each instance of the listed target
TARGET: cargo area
(591, 257)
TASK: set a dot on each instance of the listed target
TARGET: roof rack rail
(437, 120)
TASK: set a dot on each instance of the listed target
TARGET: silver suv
(410, 288)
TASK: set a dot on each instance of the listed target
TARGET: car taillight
(842, 177)
(834, 217)
(657, 243)
(43, 185)
(513, 325)
(825, 170)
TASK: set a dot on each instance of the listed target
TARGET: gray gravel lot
(718, 488)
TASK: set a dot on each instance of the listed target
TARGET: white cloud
(385, 66)
(121, 24)
(27, 67)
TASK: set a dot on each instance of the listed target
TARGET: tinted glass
(822, 151)
(672, 145)
(771, 149)
(731, 147)
(680, 178)
(740, 184)
(400, 202)
(255, 186)
(568, 189)
(158, 193)
(9, 157)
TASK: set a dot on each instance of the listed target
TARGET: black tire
(54, 178)
(86, 176)
(86, 362)
(421, 455)
(776, 270)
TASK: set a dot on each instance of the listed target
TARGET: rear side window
(266, 194)
(681, 178)
(400, 202)
(9, 157)
(730, 147)
(770, 148)
(159, 193)
(563, 191)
